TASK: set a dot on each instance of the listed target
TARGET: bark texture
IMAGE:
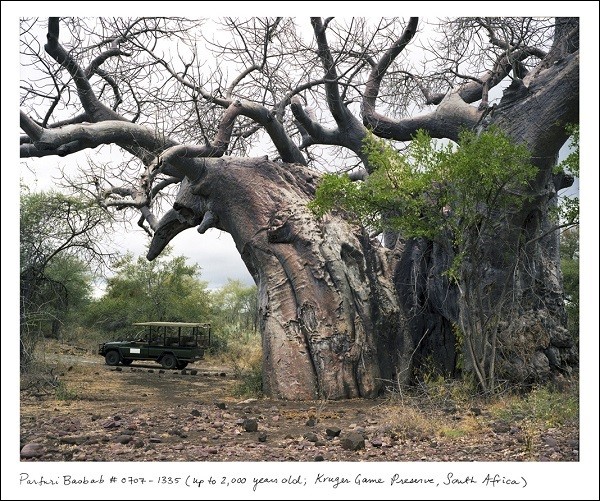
(330, 321)
(532, 339)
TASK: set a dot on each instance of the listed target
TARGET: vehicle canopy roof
(172, 324)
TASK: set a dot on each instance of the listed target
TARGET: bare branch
(334, 100)
(380, 69)
(90, 102)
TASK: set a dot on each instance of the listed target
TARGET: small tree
(459, 197)
(166, 289)
(58, 233)
(235, 310)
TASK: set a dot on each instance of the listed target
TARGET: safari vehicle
(174, 345)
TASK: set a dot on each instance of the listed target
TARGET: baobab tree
(342, 312)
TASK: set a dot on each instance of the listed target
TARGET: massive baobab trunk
(341, 315)
(522, 259)
(330, 323)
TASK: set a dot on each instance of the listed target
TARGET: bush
(245, 358)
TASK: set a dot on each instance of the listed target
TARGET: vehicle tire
(127, 361)
(169, 361)
(112, 358)
(181, 365)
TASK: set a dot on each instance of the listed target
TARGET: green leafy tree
(459, 196)
(166, 289)
(61, 237)
(66, 292)
(235, 312)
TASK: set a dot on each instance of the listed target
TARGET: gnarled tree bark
(330, 321)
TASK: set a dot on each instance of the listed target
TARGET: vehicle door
(138, 349)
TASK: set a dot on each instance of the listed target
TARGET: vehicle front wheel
(112, 358)
(169, 362)
(182, 365)
(127, 361)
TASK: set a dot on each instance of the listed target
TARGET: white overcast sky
(219, 260)
(214, 252)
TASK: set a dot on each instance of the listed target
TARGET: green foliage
(544, 405)
(433, 190)
(234, 314)
(166, 289)
(60, 238)
(571, 163)
(569, 259)
(62, 392)
(53, 222)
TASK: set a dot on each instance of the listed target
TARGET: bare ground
(142, 413)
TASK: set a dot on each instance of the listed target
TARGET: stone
(352, 442)
(72, 440)
(250, 425)
(311, 437)
(500, 427)
(221, 405)
(123, 439)
(195, 412)
(262, 437)
(376, 442)
(311, 421)
(32, 450)
(333, 432)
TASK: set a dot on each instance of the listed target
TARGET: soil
(144, 413)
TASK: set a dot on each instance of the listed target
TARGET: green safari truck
(174, 345)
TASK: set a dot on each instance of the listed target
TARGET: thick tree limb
(537, 113)
(338, 110)
(474, 90)
(89, 101)
(286, 148)
(380, 68)
(317, 133)
(452, 115)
